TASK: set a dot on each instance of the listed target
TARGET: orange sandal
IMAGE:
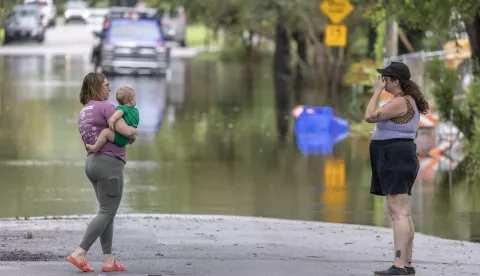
(83, 265)
(116, 267)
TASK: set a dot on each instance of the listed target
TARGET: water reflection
(209, 146)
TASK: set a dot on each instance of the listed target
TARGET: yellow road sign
(336, 35)
(336, 10)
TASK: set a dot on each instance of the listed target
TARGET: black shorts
(394, 166)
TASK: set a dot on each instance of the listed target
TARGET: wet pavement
(208, 145)
(224, 245)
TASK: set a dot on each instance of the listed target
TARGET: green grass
(196, 35)
(208, 56)
(2, 34)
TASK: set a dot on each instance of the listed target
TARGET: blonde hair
(92, 87)
(124, 93)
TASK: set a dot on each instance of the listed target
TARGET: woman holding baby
(103, 168)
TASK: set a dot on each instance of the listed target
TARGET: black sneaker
(410, 270)
(392, 271)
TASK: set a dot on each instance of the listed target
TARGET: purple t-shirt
(92, 120)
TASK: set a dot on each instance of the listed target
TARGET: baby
(127, 100)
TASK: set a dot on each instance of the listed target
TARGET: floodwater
(208, 145)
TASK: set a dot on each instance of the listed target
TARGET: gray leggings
(106, 174)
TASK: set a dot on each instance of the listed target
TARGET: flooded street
(208, 145)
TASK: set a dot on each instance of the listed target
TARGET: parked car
(76, 11)
(24, 23)
(48, 9)
(131, 41)
(174, 23)
(97, 18)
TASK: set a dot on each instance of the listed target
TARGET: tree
(439, 16)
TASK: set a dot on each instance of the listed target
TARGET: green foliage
(361, 73)
(100, 3)
(200, 35)
(259, 16)
(445, 83)
(438, 15)
(473, 96)
(473, 100)
(6, 7)
(444, 19)
(237, 52)
(465, 110)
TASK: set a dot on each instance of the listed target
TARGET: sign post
(336, 33)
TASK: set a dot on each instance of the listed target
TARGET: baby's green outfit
(131, 117)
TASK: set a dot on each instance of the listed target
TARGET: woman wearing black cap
(393, 155)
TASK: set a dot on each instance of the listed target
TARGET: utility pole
(391, 38)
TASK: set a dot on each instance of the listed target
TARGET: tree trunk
(473, 30)
(248, 45)
(372, 37)
(391, 38)
(282, 77)
(299, 83)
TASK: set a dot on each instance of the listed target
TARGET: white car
(76, 11)
(48, 8)
(97, 18)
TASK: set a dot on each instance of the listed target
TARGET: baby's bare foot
(91, 148)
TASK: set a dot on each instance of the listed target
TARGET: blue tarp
(317, 130)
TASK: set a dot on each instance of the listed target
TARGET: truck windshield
(142, 29)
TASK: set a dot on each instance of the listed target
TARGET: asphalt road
(223, 245)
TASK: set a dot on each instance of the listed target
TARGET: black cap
(397, 70)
